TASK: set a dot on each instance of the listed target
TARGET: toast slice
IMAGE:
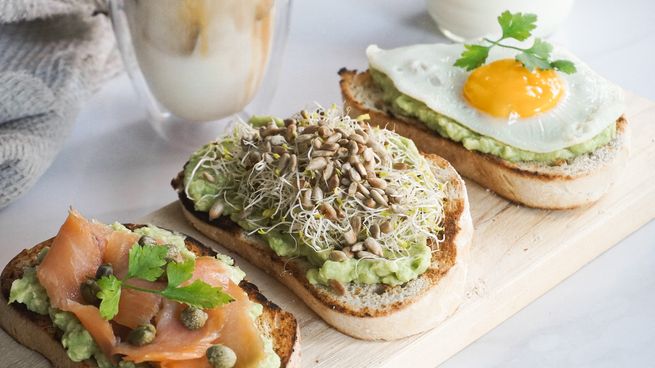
(36, 332)
(569, 185)
(371, 312)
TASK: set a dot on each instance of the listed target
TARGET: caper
(193, 318)
(220, 356)
(142, 335)
(104, 270)
(42, 253)
(89, 289)
(147, 240)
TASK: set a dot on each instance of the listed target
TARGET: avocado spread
(204, 184)
(79, 343)
(407, 106)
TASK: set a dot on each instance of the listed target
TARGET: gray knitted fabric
(53, 54)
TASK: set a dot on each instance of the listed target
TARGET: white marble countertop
(114, 167)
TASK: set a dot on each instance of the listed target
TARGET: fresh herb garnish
(147, 263)
(516, 26)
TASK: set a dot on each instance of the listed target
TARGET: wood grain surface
(517, 255)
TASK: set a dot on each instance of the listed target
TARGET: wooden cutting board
(517, 255)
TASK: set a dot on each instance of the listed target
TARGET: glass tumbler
(199, 64)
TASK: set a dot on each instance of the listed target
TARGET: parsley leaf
(109, 295)
(540, 49)
(517, 25)
(472, 57)
(532, 62)
(199, 294)
(564, 66)
(177, 272)
(146, 262)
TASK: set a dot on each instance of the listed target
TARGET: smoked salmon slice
(82, 246)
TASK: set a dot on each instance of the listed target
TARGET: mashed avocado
(404, 105)
(391, 272)
(79, 343)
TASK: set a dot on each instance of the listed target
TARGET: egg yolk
(505, 89)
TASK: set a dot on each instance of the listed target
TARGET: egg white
(426, 73)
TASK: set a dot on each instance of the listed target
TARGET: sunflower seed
(377, 182)
(357, 247)
(360, 169)
(357, 138)
(352, 148)
(345, 181)
(373, 246)
(330, 146)
(268, 158)
(385, 227)
(329, 169)
(338, 256)
(360, 196)
(342, 152)
(345, 167)
(288, 122)
(267, 147)
(347, 252)
(334, 138)
(352, 159)
(352, 189)
(361, 133)
(356, 224)
(400, 166)
(317, 143)
(317, 194)
(306, 200)
(292, 132)
(310, 129)
(328, 211)
(370, 203)
(350, 237)
(368, 155)
(216, 210)
(293, 162)
(364, 254)
(362, 189)
(333, 182)
(354, 175)
(375, 231)
(379, 197)
(317, 163)
(337, 287)
(324, 131)
(322, 153)
(265, 132)
(304, 138)
(283, 162)
(343, 141)
(369, 166)
(279, 150)
(209, 177)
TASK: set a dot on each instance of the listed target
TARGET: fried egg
(539, 111)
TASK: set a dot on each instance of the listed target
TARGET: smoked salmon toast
(134, 296)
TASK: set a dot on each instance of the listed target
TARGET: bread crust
(530, 184)
(36, 332)
(436, 293)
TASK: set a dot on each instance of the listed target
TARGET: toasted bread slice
(370, 312)
(580, 182)
(36, 332)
